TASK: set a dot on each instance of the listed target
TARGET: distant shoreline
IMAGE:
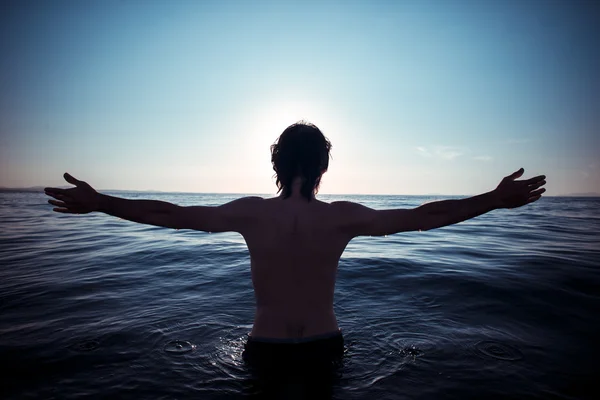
(40, 189)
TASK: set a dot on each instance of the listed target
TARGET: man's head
(301, 151)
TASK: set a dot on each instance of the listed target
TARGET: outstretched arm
(358, 220)
(83, 199)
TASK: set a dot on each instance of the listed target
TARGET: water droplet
(179, 347)
(411, 351)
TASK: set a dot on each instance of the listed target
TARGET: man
(295, 241)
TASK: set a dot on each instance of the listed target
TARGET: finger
(65, 211)
(60, 196)
(534, 180)
(71, 179)
(537, 185)
(537, 192)
(55, 195)
(534, 198)
(57, 203)
(516, 174)
(50, 190)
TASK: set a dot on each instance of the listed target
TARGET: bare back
(295, 244)
(295, 248)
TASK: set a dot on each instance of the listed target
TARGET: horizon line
(40, 188)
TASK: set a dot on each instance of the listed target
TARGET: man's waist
(291, 312)
(290, 323)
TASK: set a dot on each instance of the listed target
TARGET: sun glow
(263, 125)
(272, 120)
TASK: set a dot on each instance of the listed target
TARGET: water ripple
(97, 306)
(498, 351)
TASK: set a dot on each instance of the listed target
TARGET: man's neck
(296, 187)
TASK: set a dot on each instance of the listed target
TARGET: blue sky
(417, 96)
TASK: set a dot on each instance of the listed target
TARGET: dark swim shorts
(316, 353)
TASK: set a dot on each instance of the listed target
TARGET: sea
(506, 305)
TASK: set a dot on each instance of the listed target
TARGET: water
(505, 305)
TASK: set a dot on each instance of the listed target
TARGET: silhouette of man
(295, 241)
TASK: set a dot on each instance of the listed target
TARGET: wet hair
(300, 151)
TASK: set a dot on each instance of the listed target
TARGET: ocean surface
(506, 305)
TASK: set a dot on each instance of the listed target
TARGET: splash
(179, 347)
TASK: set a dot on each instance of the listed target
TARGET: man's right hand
(81, 199)
(511, 193)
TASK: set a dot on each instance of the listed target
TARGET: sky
(417, 97)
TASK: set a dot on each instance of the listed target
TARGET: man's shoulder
(257, 202)
(250, 199)
(243, 205)
(346, 206)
